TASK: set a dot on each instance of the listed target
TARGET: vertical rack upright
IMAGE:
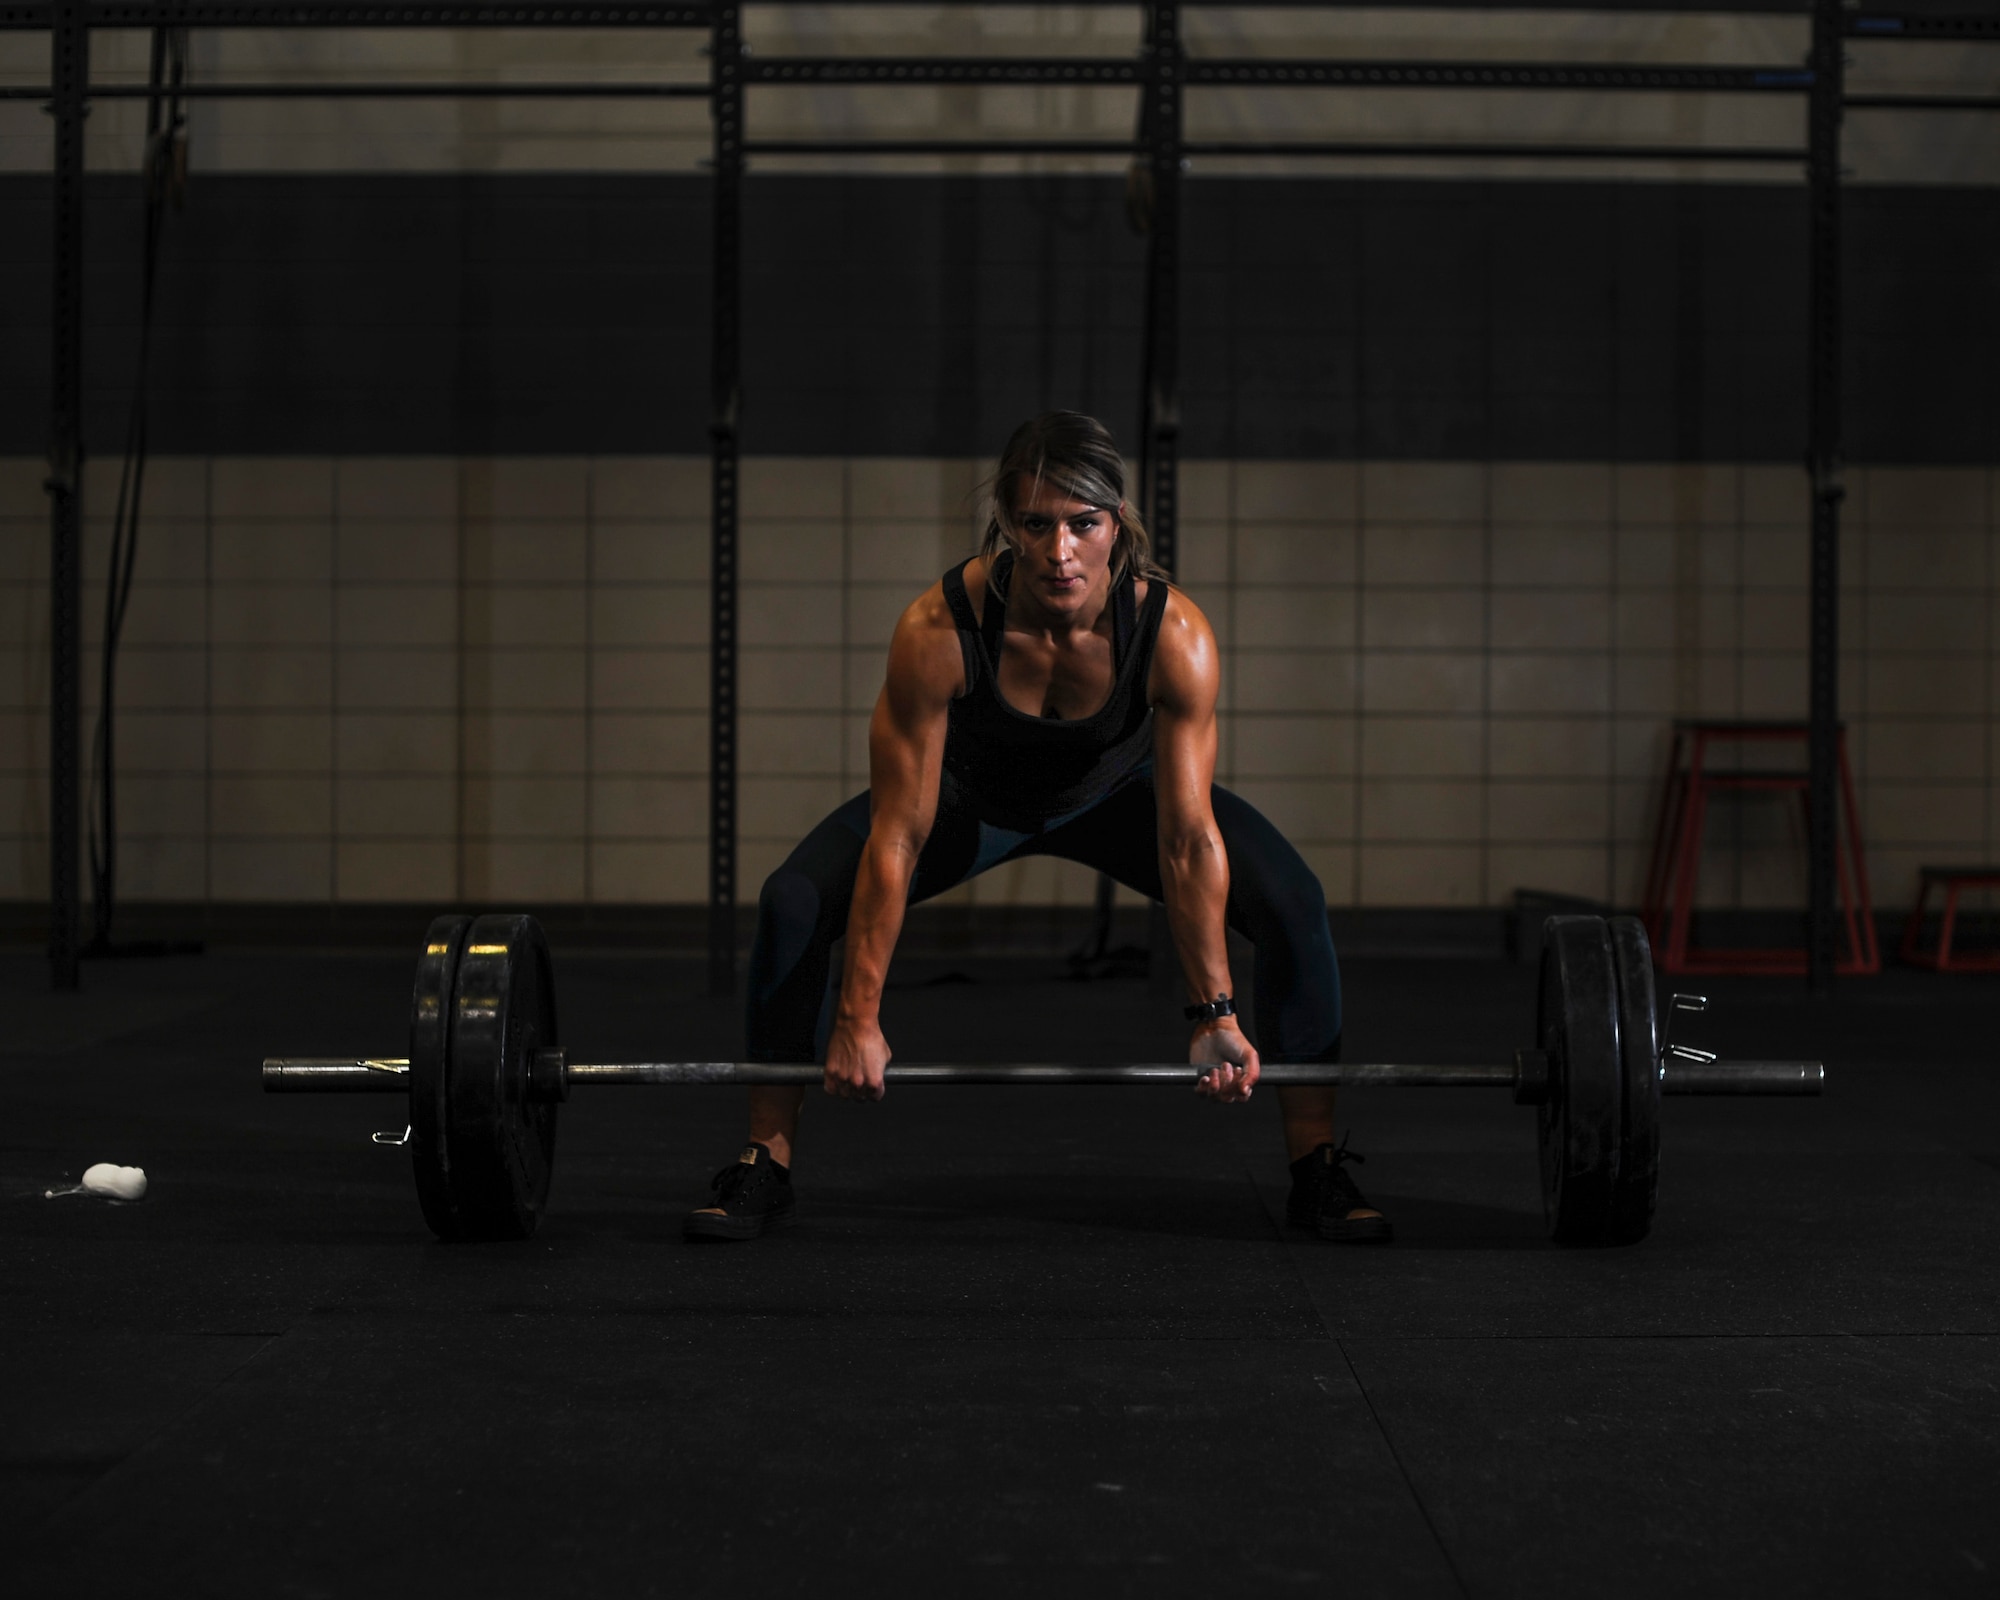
(1160, 156)
(1823, 463)
(726, 108)
(69, 60)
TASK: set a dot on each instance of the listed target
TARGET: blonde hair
(1074, 455)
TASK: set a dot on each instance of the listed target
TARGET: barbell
(486, 1076)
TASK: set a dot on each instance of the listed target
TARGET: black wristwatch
(1220, 1006)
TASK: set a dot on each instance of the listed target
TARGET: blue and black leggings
(1274, 901)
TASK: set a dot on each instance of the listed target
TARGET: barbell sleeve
(1742, 1077)
(335, 1075)
(380, 1075)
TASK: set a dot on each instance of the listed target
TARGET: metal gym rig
(1163, 73)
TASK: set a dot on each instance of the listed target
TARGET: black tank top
(1023, 772)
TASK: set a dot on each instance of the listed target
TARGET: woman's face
(1062, 548)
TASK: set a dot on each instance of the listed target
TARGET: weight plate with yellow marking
(490, 1178)
(430, 1055)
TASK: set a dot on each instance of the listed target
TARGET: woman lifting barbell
(1052, 695)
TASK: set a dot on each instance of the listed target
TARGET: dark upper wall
(922, 316)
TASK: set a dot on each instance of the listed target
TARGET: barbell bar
(339, 1075)
(486, 1076)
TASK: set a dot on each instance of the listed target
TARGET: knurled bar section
(69, 71)
(726, 106)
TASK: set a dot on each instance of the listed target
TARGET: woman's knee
(811, 888)
(789, 913)
(1269, 879)
(1287, 909)
(788, 900)
(1299, 1011)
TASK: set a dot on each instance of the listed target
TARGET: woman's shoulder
(1184, 630)
(924, 653)
(1176, 608)
(977, 575)
(972, 574)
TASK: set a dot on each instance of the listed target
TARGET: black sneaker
(1325, 1198)
(752, 1193)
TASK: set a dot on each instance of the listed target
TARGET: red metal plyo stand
(1674, 864)
(1954, 881)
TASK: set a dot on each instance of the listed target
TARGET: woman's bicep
(1186, 682)
(907, 732)
(1184, 751)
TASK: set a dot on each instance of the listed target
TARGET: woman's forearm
(1194, 877)
(874, 922)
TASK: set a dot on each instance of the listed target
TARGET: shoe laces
(731, 1180)
(1334, 1176)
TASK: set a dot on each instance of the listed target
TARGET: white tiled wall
(487, 679)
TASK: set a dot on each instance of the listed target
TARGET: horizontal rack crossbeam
(1491, 151)
(389, 14)
(582, 13)
(1266, 148)
(594, 14)
(1217, 72)
(1116, 71)
(943, 146)
(1922, 102)
(1937, 27)
(380, 91)
(1286, 74)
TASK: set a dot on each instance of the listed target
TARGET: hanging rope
(164, 178)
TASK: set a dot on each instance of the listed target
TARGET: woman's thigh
(1275, 901)
(811, 892)
(1120, 836)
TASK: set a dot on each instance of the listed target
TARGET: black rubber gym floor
(1021, 1340)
